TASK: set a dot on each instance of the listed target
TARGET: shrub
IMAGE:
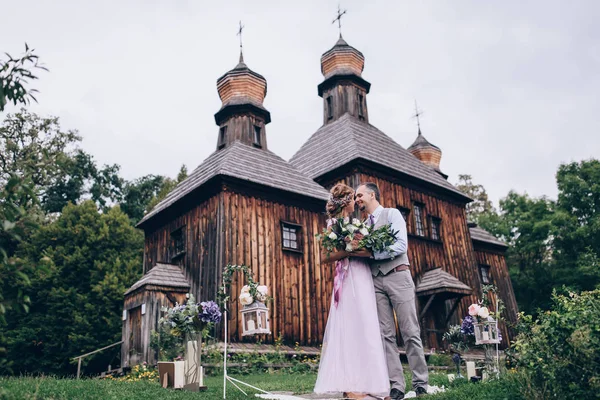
(559, 353)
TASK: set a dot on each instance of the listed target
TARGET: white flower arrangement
(251, 293)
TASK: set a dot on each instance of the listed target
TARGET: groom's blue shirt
(398, 224)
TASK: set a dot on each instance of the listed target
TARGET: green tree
(577, 225)
(525, 224)
(38, 149)
(552, 243)
(15, 74)
(139, 193)
(76, 304)
(19, 218)
(481, 203)
(167, 186)
(142, 194)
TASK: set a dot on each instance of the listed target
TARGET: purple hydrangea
(210, 312)
(467, 327)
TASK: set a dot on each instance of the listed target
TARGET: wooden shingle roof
(440, 281)
(481, 235)
(162, 275)
(247, 163)
(348, 139)
(421, 143)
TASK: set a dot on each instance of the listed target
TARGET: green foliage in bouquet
(380, 239)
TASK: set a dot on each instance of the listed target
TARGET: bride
(352, 358)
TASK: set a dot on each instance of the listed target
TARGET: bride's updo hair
(339, 197)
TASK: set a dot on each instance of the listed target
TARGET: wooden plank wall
(154, 301)
(236, 228)
(344, 99)
(251, 235)
(300, 285)
(200, 260)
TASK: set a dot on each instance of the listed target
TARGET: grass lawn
(30, 388)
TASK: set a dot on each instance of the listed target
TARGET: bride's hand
(334, 256)
(362, 253)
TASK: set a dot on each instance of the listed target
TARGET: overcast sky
(509, 89)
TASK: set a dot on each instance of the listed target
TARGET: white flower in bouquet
(245, 289)
(349, 247)
(351, 228)
(346, 220)
(332, 236)
(262, 289)
(356, 222)
(262, 293)
(474, 310)
(246, 299)
(364, 231)
(483, 312)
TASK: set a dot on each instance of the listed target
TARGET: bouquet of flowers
(253, 292)
(352, 234)
(192, 317)
(343, 234)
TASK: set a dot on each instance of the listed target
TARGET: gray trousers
(396, 292)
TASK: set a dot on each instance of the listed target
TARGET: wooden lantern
(255, 319)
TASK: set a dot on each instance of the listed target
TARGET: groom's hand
(362, 253)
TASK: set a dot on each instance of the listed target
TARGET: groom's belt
(399, 268)
(402, 267)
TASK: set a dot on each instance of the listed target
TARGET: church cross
(339, 19)
(418, 113)
(241, 28)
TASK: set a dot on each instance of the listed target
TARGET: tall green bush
(559, 353)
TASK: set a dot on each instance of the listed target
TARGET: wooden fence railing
(89, 354)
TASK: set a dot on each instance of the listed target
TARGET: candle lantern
(486, 332)
(255, 319)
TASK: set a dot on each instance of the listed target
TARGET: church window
(484, 273)
(436, 224)
(419, 224)
(257, 142)
(361, 112)
(329, 107)
(177, 242)
(290, 236)
(222, 137)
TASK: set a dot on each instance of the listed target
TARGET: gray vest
(385, 266)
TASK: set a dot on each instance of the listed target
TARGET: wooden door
(135, 337)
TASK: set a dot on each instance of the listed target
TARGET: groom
(395, 291)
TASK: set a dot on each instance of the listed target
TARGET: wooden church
(246, 205)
